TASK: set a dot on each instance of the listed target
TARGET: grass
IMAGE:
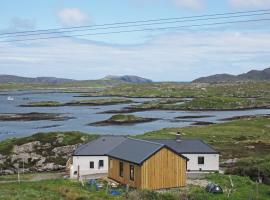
(91, 102)
(30, 176)
(122, 119)
(234, 139)
(72, 190)
(49, 190)
(240, 90)
(204, 103)
(243, 188)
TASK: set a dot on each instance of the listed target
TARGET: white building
(92, 158)
(202, 157)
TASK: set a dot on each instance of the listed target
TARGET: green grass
(124, 118)
(72, 190)
(243, 188)
(49, 190)
(241, 90)
(205, 103)
(86, 102)
(232, 139)
(223, 103)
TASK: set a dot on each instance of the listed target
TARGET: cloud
(249, 3)
(180, 56)
(73, 17)
(190, 4)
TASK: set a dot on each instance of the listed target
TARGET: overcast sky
(172, 55)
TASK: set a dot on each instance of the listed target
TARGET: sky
(181, 54)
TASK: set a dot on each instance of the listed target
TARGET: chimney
(178, 137)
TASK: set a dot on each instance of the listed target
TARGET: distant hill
(53, 80)
(128, 78)
(253, 75)
(19, 79)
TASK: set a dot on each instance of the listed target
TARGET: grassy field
(59, 189)
(247, 140)
(204, 103)
(241, 90)
(235, 139)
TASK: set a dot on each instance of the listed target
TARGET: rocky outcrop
(37, 157)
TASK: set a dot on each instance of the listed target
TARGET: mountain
(54, 80)
(253, 75)
(128, 78)
(19, 79)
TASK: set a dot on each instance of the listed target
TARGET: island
(33, 116)
(89, 102)
(121, 119)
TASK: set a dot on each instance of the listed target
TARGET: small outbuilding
(147, 165)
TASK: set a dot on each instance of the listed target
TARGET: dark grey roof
(186, 146)
(134, 150)
(100, 146)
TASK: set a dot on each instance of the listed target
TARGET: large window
(200, 160)
(92, 165)
(131, 172)
(121, 169)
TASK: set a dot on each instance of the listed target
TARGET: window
(131, 172)
(92, 166)
(200, 160)
(100, 164)
(121, 169)
(111, 163)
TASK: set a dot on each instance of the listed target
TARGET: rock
(28, 147)
(41, 162)
(64, 150)
(7, 172)
(52, 167)
(250, 147)
(230, 161)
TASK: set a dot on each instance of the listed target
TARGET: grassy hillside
(247, 140)
(235, 139)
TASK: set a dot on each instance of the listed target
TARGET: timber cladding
(164, 169)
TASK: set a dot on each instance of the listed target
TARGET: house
(201, 156)
(91, 158)
(147, 165)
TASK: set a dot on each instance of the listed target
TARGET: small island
(33, 116)
(43, 104)
(90, 102)
(122, 119)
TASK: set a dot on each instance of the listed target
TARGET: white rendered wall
(211, 162)
(84, 163)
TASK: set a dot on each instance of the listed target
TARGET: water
(84, 115)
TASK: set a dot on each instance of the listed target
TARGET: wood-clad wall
(114, 173)
(165, 169)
